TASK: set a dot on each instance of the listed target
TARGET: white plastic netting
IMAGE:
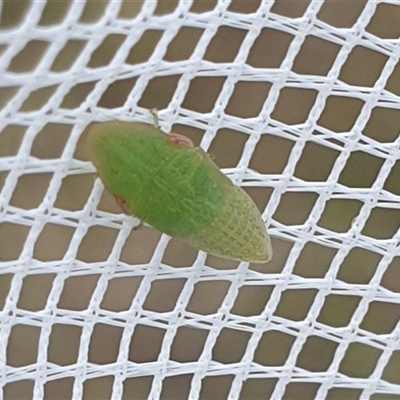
(298, 102)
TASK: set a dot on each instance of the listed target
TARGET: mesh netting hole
(106, 51)
(277, 354)
(251, 300)
(22, 389)
(207, 297)
(224, 46)
(139, 246)
(391, 277)
(7, 94)
(220, 263)
(295, 304)
(93, 11)
(341, 393)
(139, 387)
(120, 293)
(202, 93)
(159, 92)
(316, 56)
(385, 21)
(77, 292)
(12, 240)
(247, 7)
(393, 82)
(293, 105)
(188, 344)
(301, 391)
(10, 141)
(29, 57)
(163, 295)
(179, 254)
(253, 387)
(340, 113)
(146, 343)
(97, 244)
(383, 125)
(64, 343)
(50, 141)
(341, 15)
(316, 354)
(391, 371)
(142, 50)
(104, 333)
(359, 266)
(54, 13)
(37, 99)
(338, 214)
(216, 387)
(77, 94)
(338, 310)
(382, 223)
(53, 242)
(381, 318)
(200, 7)
(271, 154)
(230, 346)
(5, 283)
(176, 387)
(67, 55)
(227, 147)
(269, 49)
(360, 360)
(314, 261)
(98, 388)
(255, 93)
(295, 208)
(13, 13)
(360, 170)
(368, 61)
(315, 162)
(35, 291)
(117, 93)
(183, 44)
(60, 389)
(74, 192)
(286, 9)
(22, 347)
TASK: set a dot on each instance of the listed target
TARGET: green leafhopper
(176, 188)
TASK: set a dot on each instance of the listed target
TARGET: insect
(176, 188)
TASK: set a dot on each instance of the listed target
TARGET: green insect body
(176, 188)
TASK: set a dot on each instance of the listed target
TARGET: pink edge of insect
(121, 203)
(180, 140)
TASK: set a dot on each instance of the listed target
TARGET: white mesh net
(299, 103)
